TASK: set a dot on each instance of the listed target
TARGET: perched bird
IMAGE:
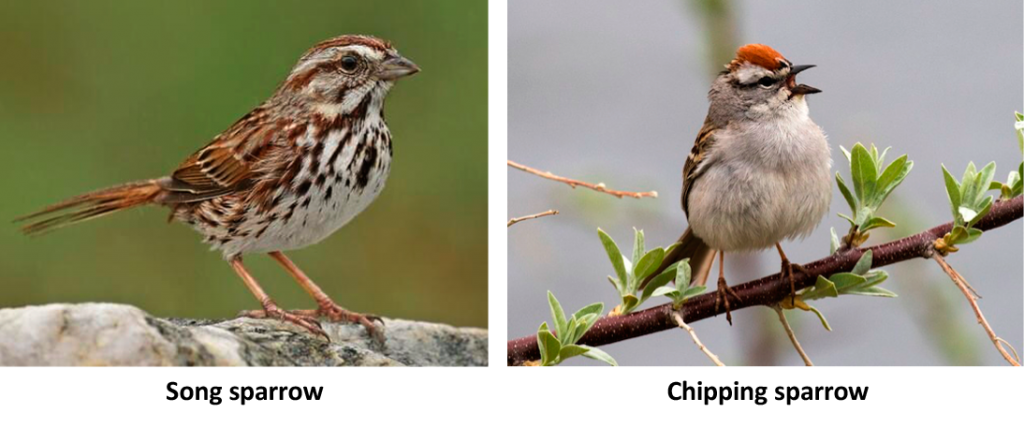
(285, 176)
(759, 172)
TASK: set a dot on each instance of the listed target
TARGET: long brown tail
(91, 205)
(699, 253)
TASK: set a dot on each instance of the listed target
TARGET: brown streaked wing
(705, 139)
(225, 165)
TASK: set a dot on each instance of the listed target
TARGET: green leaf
(1014, 178)
(648, 263)
(570, 351)
(664, 277)
(985, 205)
(549, 347)
(846, 153)
(615, 283)
(967, 214)
(587, 321)
(593, 308)
(1019, 188)
(821, 316)
(876, 222)
(863, 215)
(557, 314)
(972, 235)
(846, 193)
(822, 288)
(985, 177)
(638, 246)
(864, 173)
(599, 355)
(852, 223)
(863, 264)
(957, 234)
(881, 157)
(614, 255)
(693, 291)
(873, 291)
(669, 249)
(543, 327)
(629, 302)
(582, 328)
(566, 336)
(874, 277)
(665, 290)
(834, 244)
(953, 192)
(892, 177)
(967, 183)
(1020, 131)
(683, 274)
(845, 281)
(647, 292)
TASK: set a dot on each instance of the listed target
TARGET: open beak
(800, 89)
(397, 67)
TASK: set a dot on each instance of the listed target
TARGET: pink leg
(270, 309)
(326, 306)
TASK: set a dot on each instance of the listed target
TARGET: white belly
(757, 191)
(307, 216)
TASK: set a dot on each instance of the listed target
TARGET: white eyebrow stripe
(750, 73)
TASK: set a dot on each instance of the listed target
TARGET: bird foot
(787, 271)
(723, 296)
(271, 310)
(333, 312)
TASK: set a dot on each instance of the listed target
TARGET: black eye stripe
(766, 81)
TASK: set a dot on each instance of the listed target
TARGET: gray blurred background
(615, 91)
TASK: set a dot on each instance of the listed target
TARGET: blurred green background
(97, 93)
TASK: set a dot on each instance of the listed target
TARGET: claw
(787, 270)
(338, 314)
(723, 295)
(304, 321)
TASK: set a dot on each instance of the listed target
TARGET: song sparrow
(284, 176)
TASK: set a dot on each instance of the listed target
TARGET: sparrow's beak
(800, 89)
(396, 67)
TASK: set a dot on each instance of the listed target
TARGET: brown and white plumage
(287, 174)
(758, 172)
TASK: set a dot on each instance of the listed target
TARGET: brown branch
(768, 290)
(792, 336)
(693, 335)
(966, 288)
(515, 220)
(600, 187)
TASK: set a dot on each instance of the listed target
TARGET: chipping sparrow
(759, 170)
(285, 176)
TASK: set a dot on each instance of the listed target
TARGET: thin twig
(679, 321)
(792, 336)
(768, 290)
(965, 288)
(600, 187)
(515, 220)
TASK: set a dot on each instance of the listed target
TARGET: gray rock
(104, 334)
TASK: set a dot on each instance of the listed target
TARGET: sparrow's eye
(766, 82)
(349, 63)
